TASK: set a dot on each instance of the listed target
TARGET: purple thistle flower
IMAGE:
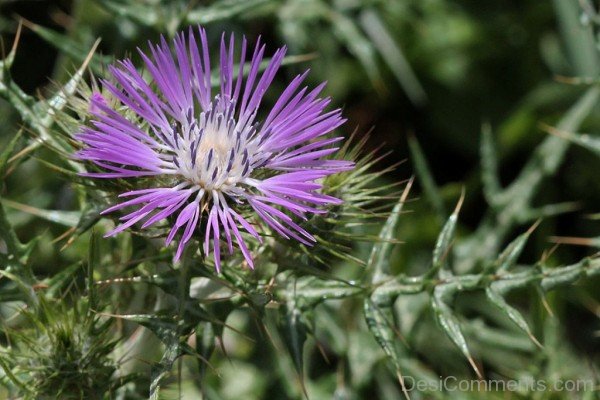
(212, 145)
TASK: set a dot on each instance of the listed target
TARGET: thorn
(555, 131)
(322, 351)
(13, 50)
(577, 241)
(69, 243)
(534, 340)
(534, 226)
(404, 390)
(546, 255)
(91, 53)
(63, 235)
(574, 80)
(545, 302)
(407, 189)
(475, 367)
(460, 200)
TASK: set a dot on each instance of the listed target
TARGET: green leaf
(173, 350)
(68, 46)
(496, 298)
(59, 280)
(557, 277)
(13, 378)
(94, 263)
(546, 157)
(518, 196)
(489, 166)
(12, 251)
(446, 237)
(349, 33)
(378, 265)
(40, 115)
(379, 318)
(205, 345)
(65, 218)
(584, 140)
(508, 258)
(392, 54)
(310, 291)
(579, 38)
(165, 326)
(432, 192)
(144, 14)
(295, 335)
(88, 218)
(449, 322)
(23, 284)
(7, 152)
(223, 10)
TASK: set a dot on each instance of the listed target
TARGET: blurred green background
(434, 73)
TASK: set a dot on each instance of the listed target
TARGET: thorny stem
(546, 278)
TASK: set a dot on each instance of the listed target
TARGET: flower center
(214, 150)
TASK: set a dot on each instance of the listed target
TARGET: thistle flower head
(214, 153)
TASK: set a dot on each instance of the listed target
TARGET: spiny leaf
(348, 32)
(392, 54)
(68, 46)
(58, 281)
(548, 210)
(295, 336)
(584, 140)
(40, 115)
(94, 260)
(577, 241)
(509, 256)
(310, 291)
(88, 218)
(579, 38)
(378, 264)
(7, 63)
(512, 313)
(139, 12)
(44, 112)
(432, 192)
(13, 378)
(449, 323)
(446, 236)
(205, 345)
(293, 383)
(517, 197)
(222, 10)
(557, 277)
(379, 318)
(23, 285)
(173, 350)
(548, 155)
(489, 165)
(66, 218)
(11, 249)
(6, 153)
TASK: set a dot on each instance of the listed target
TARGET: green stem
(547, 278)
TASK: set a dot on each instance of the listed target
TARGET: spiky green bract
(63, 351)
(367, 199)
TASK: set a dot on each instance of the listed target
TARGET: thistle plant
(212, 153)
(213, 229)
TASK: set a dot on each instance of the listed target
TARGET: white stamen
(214, 151)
